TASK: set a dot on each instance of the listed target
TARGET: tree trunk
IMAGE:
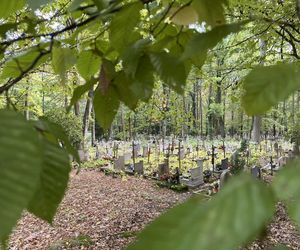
(87, 113)
(257, 121)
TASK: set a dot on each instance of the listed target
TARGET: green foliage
(62, 60)
(106, 106)
(266, 86)
(123, 24)
(88, 64)
(9, 7)
(33, 172)
(35, 4)
(170, 70)
(286, 187)
(20, 168)
(53, 182)
(197, 48)
(211, 12)
(217, 224)
(20, 63)
(71, 124)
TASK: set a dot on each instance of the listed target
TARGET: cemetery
(149, 125)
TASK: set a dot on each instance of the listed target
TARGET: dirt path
(102, 212)
(106, 209)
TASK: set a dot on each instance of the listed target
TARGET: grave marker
(256, 172)
(119, 164)
(139, 168)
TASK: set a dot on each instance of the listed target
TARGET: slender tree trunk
(93, 142)
(87, 113)
(257, 121)
(26, 104)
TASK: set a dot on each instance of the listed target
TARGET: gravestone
(119, 164)
(290, 155)
(224, 178)
(282, 161)
(97, 154)
(276, 148)
(83, 155)
(256, 172)
(145, 151)
(163, 169)
(181, 154)
(199, 163)
(127, 157)
(139, 168)
(195, 179)
(224, 164)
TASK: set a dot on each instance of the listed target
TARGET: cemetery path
(280, 232)
(106, 209)
(110, 211)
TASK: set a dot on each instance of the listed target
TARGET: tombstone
(224, 164)
(282, 161)
(199, 163)
(188, 150)
(181, 154)
(119, 164)
(163, 169)
(276, 148)
(83, 155)
(127, 157)
(256, 172)
(145, 151)
(195, 179)
(97, 154)
(290, 155)
(234, 156)
(139, 168)
(224, 178)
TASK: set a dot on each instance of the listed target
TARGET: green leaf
(281, 247)
(53, 182)
(132, 55)
(197, 48)
(106, 106)
(286, 186)
(35, 4)
(101, 4)
(21, 63)
(183, 16)
(266, 86)
(126, 95)
(80, 91)
(9, 7)
(232, 218)
(123, 24)
(62, 60)
(143, 83)
(20, 168)
(52, 130)
(170, 69)
(210, 11)
(88, 64)
(6, 27)
(131, 90)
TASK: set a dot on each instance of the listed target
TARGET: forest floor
(101, 212)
